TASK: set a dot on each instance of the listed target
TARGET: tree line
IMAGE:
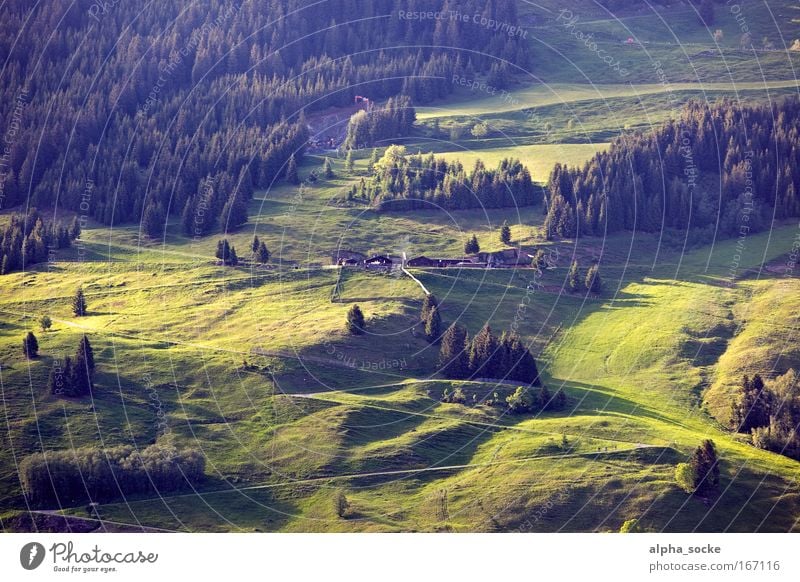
(769, 412)
(719, 169)
(27, 239)
(166, 98)
(60, 478)
(408, 182)
(486, 356)
(395, 119)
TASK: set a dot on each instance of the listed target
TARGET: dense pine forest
(133, 109)
(403, 182)
(718, 169)
(28, 239)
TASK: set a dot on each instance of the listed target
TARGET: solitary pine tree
(79, 307)
(355, 321)
(574, 277)
(472, 247)
(349, 165)
(291, 171)
(255, 244)
(505, 234)
(262, 255)
(327, 169)
(453, 357)
(30, 346)
(593, 282)
(433, 325)
(81, 378)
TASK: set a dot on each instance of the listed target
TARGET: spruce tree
(472, 247)
(226, 253)
(154, 220)
(593, 282)
(188, 219)
(574, 277)
(373, 159)
(291, 171)
(85, 353)
(505, 234)
(433, 325)
(30, 346)
(79, 307)
(262, 256)
(234, 213)
(349, 164)
(355, 321)
(484, 354)
(255, 244)
(428, 304)
(327, 169)
(453, 357)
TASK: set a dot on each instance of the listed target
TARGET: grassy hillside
(253, 368)
(252, 365)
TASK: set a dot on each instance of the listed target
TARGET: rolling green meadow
(252, 364)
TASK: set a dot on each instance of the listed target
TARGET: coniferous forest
(441, 266)
(717, 170)
(402, 182)
(176, 110)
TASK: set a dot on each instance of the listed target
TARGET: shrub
(93, 474)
